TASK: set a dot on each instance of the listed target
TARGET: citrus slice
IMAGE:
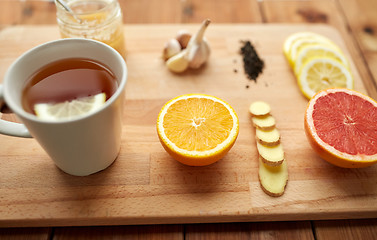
(318, 50)
(294, 37)
(197, 129)
(296, 41)
(304, 42)
(69, 109)
(341, 126)
(321, 73)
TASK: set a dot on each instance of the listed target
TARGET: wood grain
(145, 185)
(141, 11)
(248, 231)
(150, 232)
(322, 11)
(10, 12)
(151, 11)
(346, 229)
(361, 17)
(358, 18)
(240, 11)
(356, 21)
(25, 233)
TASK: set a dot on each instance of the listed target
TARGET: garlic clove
(172, 47)
(194, 55)
(183, 37)
(198, 54)
(198, 37)
(178, 63)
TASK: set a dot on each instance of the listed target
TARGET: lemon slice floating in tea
(69, 109)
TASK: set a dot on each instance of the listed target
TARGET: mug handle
(12, 128)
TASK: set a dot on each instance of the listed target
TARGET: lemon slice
(69, 109)
(292, 38)
(321, 73)
(298, 45)
(294, 41)
(318, 50)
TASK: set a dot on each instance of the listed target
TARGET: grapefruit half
(341, 126)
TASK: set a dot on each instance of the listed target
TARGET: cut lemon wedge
(69, 109)
(197, 129)
(318, 50)
(321, 73)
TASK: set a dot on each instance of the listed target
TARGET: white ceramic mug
(80, 146)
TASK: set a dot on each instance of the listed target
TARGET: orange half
(197, 129)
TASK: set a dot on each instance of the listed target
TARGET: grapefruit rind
(324, 150)
(197, 158)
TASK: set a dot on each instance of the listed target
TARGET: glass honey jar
(100, 20)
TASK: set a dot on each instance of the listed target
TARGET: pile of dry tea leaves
(253, 65)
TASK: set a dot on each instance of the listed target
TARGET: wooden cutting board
(145, 185)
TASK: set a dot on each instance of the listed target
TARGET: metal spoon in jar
(68, 9)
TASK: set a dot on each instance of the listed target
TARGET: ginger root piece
(273, 170)
(271, 155)
(259, 109)
(273, 179)
(265, 123)
(268, 137)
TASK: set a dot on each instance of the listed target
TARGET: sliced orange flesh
(350, 127)
(197, 129)
(197, 124)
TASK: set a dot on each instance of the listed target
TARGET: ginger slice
(269, 137)
(259, 109)
(265, 123)
(271, 155)
(273, 179)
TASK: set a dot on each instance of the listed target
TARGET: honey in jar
(100, 20)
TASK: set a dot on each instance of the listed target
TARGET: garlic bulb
(172, 47)
(198, 48)
(194, 55)
(183, 37)
(198, 54)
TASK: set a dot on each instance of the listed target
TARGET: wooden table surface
(355, 20)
